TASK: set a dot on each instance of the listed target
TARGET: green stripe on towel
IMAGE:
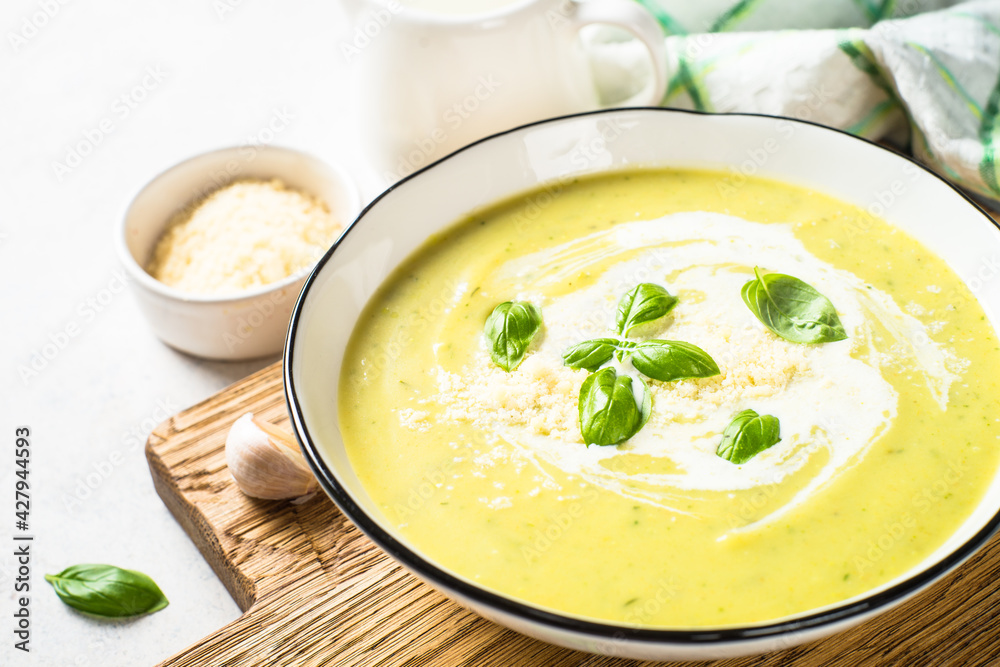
(667, 22)
(949, 78)
(988, 137)
(733, 15)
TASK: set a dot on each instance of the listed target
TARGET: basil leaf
(792, 309)
(510, 329)
(748, 435)
(608, 411)
(669, 360)
(590, 354)
(106, 590)
(645, 303)
(624, 347)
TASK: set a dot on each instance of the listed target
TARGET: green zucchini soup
(615, 472)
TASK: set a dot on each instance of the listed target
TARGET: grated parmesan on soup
(248, 234)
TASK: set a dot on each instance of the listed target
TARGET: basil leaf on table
(510, 329)
(106, 590)
(645, 303)
(748, 435)
(590, 354)
(792, 309)
(669, 360)
(608, 410)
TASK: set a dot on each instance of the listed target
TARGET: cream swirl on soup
(832, 400)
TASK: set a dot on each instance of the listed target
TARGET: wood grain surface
(315, 591)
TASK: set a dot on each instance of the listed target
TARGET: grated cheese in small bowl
(245, 235)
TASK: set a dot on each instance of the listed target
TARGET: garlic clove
(266, 462)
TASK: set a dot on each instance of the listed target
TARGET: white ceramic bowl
(395, 224)
(243, 326)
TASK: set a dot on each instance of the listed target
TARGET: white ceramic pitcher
(431, 81)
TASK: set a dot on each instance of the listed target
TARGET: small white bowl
(241, 326)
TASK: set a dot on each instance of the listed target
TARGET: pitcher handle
(630, 16)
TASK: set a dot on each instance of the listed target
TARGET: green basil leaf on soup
(510, 328)
(609, 413)
(792, 309)
(748, 435)
(624, 348)
(643, 304)
(670, 360)
(106, 590)
(590, 354)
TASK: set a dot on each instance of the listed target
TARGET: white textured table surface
(146, 84)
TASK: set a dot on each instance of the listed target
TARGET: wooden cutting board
(315, 591)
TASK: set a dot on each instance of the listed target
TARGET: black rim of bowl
(552, 620)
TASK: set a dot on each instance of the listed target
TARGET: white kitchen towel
(926, 72)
